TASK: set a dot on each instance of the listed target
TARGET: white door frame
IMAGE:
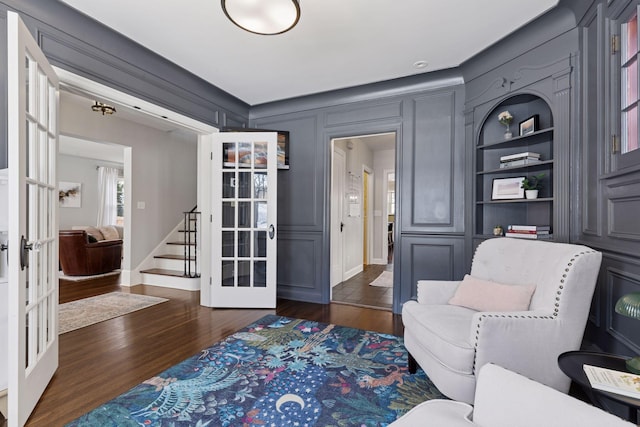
(336, 238)
(385, 221)
(131, 274)
(370, 195)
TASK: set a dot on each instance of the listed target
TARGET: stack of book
(529, 231)
(519, 159)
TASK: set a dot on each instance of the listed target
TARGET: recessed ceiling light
(420, 64)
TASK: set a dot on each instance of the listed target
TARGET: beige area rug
(384, 280)
(61, 275)
(88, 311)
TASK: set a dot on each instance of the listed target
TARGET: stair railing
(191, 223)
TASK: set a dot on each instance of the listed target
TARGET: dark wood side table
(571, 364)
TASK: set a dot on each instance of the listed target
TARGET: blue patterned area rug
(277, 372)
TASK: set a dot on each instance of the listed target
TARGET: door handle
(4, 247)
(341, 226)
(272, 231)
(24, 251)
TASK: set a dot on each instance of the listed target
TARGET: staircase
(175, 262)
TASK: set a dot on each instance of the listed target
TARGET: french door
(32, 96)
(243, 220)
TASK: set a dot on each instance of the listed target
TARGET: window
(629, 85)
(120, 202)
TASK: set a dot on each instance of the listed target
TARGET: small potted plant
(532, 185)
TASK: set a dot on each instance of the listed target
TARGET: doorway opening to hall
(363, 207)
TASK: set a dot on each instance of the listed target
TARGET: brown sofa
(78, 257)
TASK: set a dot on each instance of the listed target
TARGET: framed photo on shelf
(529, 125)
(507, 188)
(283, 143)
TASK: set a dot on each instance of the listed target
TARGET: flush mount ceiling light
(99, 107)
(266, 17)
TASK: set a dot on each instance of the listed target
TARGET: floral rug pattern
(277, 371)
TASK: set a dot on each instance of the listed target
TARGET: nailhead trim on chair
(552, 317)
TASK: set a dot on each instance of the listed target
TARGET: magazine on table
(613, 381)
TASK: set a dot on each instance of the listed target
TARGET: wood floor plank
(101, 361)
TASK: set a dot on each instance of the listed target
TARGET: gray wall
(164, 174)
(83, 171)
(606, 182)
(74, 42)
(434, 162)
(426, 113)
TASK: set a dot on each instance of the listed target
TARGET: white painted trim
(370, 195)
(74, 82)
(149, 262)
(205, 145)
(130, 278)
(125, 280)
(182, 283)
(385, 210)
(355, 270)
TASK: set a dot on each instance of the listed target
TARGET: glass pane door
(244, 271)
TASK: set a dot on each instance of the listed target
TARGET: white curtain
(107, 195)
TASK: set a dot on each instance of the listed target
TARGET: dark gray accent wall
(77, 43)
(563, 56)
(425, 112)
(607, 186)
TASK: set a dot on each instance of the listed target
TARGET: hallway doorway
(362, 221)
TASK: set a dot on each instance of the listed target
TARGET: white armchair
(451, 342)
(506, 399)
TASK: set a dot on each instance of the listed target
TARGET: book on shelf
(538, 236)
(518, 156)
(529, 231)
(521, 162)
(516, 227)
(613, 381)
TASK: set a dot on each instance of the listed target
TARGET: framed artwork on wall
(529, 125)
(507, 188)
(70, 194)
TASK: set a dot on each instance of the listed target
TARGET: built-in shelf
(518, 141)
(500, 202)
(491, 147)
(541, 165)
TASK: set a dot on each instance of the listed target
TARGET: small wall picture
(529, 125)
(70, 194)
(507, 188)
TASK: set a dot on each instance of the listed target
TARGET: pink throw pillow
(483, 295)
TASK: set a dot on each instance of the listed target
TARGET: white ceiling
(79, 147)
(336, 44)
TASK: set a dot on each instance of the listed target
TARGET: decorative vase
(507, 133)
(531, 194)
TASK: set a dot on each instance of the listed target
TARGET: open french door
(243, 187)
(32, 96)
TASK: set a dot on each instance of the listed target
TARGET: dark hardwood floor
(357, 291)
(101, 361)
